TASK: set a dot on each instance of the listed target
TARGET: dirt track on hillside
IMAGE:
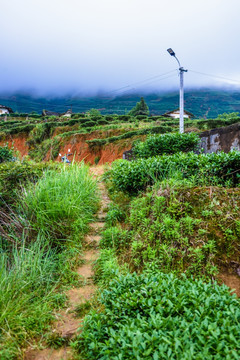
(67, 325)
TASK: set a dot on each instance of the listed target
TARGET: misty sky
(90, 46)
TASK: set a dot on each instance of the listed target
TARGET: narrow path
(67, 324)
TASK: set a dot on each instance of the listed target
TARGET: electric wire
(215, 76)
(141, 82)
(151, 82)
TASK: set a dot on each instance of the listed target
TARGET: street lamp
(181, 92)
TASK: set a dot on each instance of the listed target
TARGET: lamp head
(171, 52)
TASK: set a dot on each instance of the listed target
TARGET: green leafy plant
(213, 169)
(6, 154)
(158, 316)
(166, 144)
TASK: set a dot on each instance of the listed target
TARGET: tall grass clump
(40, 239)
(61, 204)
(27, 297)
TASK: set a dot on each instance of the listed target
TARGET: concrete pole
(181, 92)
(181, 102)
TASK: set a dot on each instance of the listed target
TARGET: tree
(141, 108)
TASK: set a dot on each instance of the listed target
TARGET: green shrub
(160, 316)
(166, 144)
(6, 154)
(89, 123)
(124, 118)
(214, 168)
(129, 134)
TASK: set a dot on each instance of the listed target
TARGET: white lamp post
(181, 92)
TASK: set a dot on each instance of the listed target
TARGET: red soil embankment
(18, 142)
(81, 151)
(78, 146)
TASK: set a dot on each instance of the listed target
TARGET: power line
(151, 82)
(215, 76)
(140, 82)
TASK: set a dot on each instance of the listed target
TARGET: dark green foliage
(102, 121)
(39, 133)
(78, 116)
(214, 168)
(160, 316)
(89, 123)
(6, 154)
(166, 144)
(124, 118)
(96, 160)
(19, 129)
(130, 134)
(141, 108)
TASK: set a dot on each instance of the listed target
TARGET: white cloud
(65, 44)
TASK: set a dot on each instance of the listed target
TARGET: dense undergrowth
(42, 224)
(172, 226)
(179, 227)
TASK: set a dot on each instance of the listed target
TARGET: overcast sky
(84, 46)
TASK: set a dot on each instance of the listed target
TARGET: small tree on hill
(141, 108)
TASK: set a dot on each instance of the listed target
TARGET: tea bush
(214, 168)
(6, 154)
(156, 129)
(161, 316)
(166, 144)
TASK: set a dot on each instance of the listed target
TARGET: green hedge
(166, 144)
(134, 176)
(130, 134)
(6, 154)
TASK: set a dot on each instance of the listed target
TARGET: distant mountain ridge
(207, 103)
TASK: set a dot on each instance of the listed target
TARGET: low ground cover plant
(161, 316)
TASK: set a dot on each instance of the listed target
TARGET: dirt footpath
(67, 325)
